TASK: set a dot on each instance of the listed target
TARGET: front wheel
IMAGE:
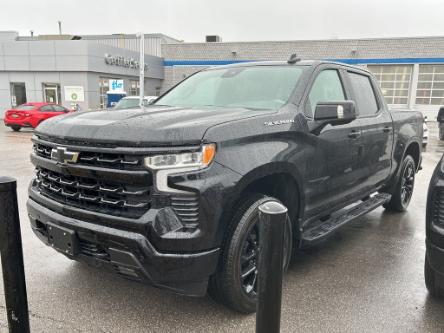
(235, 283)
(431, 281)
(16, 128)
(403, 191)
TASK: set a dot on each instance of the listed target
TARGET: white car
(131, 102)
(425, 133)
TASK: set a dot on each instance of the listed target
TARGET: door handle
(386, 129)
(354, 134)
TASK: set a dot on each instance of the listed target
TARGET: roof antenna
(293, 59)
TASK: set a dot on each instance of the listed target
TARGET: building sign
(116, 87)
(122, 61)
(74, 94)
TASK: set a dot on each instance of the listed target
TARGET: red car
(32, 114)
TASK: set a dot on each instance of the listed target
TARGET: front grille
(186, 208)
(105, 160)
(105, 197)
(438, 209)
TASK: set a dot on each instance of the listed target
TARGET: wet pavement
(367, 278)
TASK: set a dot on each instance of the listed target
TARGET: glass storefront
(103, 89)
(134, 89)
(430, 85)
(395, 81)
(18, 93)
(51, 93)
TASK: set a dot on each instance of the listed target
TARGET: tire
(226, 285)
(403, 191)
(16, 128)
(430, 280)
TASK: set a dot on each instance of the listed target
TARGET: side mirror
(335, 113)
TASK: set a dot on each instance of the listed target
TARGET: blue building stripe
(352, 61)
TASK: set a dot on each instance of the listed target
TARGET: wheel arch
(277, 179)
(413, 149)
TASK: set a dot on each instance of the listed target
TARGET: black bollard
(12, 258)
(272, 218)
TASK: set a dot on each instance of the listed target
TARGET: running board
(324, 229)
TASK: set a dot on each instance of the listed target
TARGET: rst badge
(63, 155)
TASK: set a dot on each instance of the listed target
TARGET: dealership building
(79, 69)
(76, 70)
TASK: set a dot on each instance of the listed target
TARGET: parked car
(440, 120)
(132, 102)
(32, 114)
(425, 133)
(171, 197)
(434, 261)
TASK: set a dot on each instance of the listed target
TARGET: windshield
(25, 107)
(258, 87)
(127, 103)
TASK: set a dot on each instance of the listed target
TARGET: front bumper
(129, 253)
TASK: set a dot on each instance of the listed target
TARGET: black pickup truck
(169, 194)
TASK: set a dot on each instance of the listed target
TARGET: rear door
(376, 128)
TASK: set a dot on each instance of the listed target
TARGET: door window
(46, 108)
(58, 108)
(364, 95)
(327, 87)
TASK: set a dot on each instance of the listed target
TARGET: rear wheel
(235, 283)
(404, 186)
(16, 128)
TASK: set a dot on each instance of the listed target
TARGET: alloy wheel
(407, 183)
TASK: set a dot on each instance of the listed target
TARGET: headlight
(198, 160)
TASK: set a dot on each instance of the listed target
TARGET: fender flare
(270, 169)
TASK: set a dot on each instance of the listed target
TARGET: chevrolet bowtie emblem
(62, 155)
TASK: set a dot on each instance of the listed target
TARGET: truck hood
(151, 126)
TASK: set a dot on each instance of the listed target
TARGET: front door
(332, 166)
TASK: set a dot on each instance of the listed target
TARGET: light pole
(142, 67)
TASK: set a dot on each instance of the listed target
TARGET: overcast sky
(233, 20)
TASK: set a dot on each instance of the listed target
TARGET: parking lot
(368, 277)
